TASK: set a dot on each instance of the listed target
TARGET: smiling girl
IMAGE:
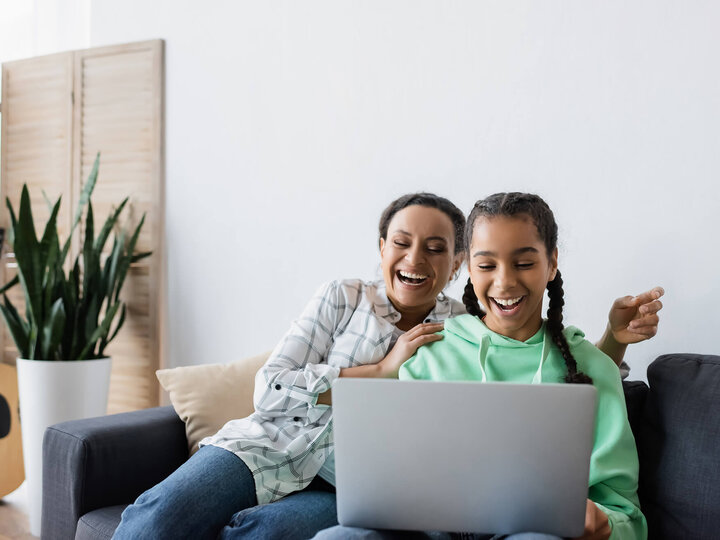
(283, 453)
(511, 242)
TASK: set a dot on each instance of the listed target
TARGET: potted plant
(71, 314)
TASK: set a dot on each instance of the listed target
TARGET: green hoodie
(469, 349)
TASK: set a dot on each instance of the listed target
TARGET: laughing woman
(283, 453)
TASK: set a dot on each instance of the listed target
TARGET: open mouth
(410, 278)
(508, 305)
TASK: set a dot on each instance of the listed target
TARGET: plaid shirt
(286, 441)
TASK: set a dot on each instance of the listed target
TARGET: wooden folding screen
(58, 111)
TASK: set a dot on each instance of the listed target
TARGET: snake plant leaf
(53, 330)
(18, 328)
(47, 200)
(100, 331)
(88, 252)
(32, 340)
(70, 309)
(108, 225)
(10, 284)
(84, 199)
(105, 341)
(125, 263)
(115, 261)
(139, 256)
(27, 255)
(49, 252)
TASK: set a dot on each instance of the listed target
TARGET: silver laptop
(463, 457)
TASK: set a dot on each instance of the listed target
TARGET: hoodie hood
(472, 329)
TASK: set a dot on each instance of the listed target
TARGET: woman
(282, 453)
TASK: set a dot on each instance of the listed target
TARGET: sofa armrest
(109, 460)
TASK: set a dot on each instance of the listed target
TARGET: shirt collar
(384, 308)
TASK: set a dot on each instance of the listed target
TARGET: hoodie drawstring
(485, 346)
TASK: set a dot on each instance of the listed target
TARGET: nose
(505, 278)
(414, 254)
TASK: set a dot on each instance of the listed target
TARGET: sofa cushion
(205, 397)
(678, 446)
(635, 395)
(99, 524)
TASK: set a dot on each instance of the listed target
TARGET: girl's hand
(634, 318)
(406, 346)
(597, 526)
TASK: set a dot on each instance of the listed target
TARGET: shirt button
(278, 387)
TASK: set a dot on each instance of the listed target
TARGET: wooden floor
(14, 523)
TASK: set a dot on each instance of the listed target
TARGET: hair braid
(471, 301)
(555, 327)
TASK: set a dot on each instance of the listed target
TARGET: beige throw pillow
(206, 397)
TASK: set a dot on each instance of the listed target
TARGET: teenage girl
(283, 454)
(511, 244)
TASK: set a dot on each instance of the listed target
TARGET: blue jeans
(213, 493)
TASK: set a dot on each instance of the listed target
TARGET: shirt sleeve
(297, 371)
(614, 466)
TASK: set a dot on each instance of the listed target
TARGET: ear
(382, 246)
(457, 262)
(553, 264)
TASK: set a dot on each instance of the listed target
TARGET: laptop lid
(463, 456)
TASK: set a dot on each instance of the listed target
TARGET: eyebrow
(428, 238)
(519, 251)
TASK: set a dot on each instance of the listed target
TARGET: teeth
(411, 275)
(508, 301)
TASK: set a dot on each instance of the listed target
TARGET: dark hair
(514, 204)
(431, 201)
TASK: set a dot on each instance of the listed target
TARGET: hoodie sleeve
(297, 371)
(614, 466)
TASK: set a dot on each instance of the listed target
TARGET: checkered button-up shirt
(287, 439)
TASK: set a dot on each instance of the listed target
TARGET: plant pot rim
(104, 358)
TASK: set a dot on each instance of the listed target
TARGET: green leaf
(28, 257)
(139, 256)
(109, 224)
(84, 199)
(18, 328)
(14, 281)
(104, 342)
(125, 262)
(100, 331)
(53, 330)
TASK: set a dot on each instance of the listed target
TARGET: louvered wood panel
(37, 116)
(119, 114)
(58, 111)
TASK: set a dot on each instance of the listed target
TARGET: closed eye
(525, 265)
(486, 266)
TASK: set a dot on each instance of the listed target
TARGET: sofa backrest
(677, 429)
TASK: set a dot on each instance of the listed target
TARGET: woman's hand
(389, 366)
(597, 526)
(634, 318)
(406, 346)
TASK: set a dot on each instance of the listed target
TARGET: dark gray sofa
(93, 468)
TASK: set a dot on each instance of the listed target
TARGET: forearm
(611, 347)
(366, 371)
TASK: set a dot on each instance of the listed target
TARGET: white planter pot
(51, 392)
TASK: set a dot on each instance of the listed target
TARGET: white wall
(291, 124)
(36, 27)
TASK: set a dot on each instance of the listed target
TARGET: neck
(411, 318)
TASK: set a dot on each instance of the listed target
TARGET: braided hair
(513, 204)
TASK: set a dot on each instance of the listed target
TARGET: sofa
(93, 468)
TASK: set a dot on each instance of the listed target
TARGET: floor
(14, 523)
